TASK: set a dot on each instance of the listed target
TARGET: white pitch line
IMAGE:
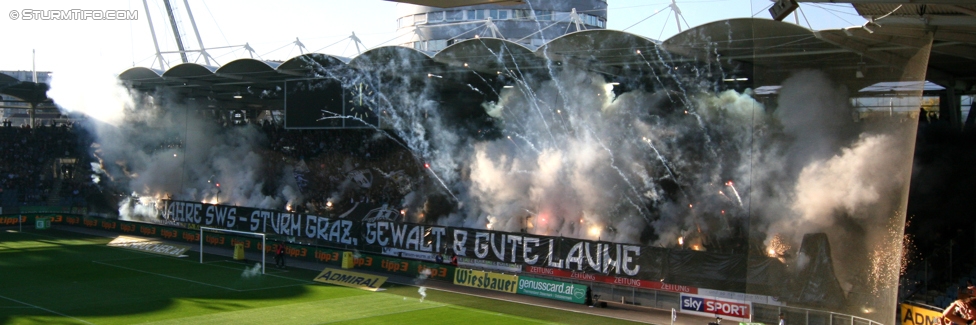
(128, 258)
(302, 282)
(384, 314)
(45, 309)
(530, 304)
(168, 276)
(215, 264)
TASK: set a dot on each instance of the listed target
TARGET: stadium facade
(531, 24)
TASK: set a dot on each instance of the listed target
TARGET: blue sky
(269, 28)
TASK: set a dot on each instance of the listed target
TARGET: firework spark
(734, 191)
(888, 264)
(778, 246)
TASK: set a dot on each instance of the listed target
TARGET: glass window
(454, 15)
(476, 14)
(420, 18)
(521, 14)
(436, 45)
(543, 15)
(406, 21)
(435, 16)
(498, 14)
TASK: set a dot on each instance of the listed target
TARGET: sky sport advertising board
(556, 290)
(711, 307)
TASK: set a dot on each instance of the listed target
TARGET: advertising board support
(347, 260)
(42, 223)
(238, 252)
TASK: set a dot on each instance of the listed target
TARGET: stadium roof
(459, 3)
(6, 80)
(762, 50)
(26, 91)
(952, 24)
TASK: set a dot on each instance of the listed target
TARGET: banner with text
(374, 229)
(557, 290)
(378, 230)
(486, 280)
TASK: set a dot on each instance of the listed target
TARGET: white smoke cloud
(856, 178)
(90, 90)
(250, 272)
(154, 146)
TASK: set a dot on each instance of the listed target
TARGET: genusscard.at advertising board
(556, 290)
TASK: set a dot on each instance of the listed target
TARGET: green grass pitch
(59, 277)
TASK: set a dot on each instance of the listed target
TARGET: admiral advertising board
(915, 315)
(351, 279)
(711, 306)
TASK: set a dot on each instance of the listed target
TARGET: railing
(769, 314)
(761, 313)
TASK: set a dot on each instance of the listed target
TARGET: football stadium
(506, 162)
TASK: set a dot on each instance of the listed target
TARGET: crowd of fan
(29, 156)
(335, 169)
(338, 168)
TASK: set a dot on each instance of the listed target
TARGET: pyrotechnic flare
(250, 272)
(734, 191)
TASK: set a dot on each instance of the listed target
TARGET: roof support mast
(678, 15)
(176, 30)
(152, 30)
(193, 22)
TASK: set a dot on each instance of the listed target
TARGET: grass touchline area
(56, 276)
